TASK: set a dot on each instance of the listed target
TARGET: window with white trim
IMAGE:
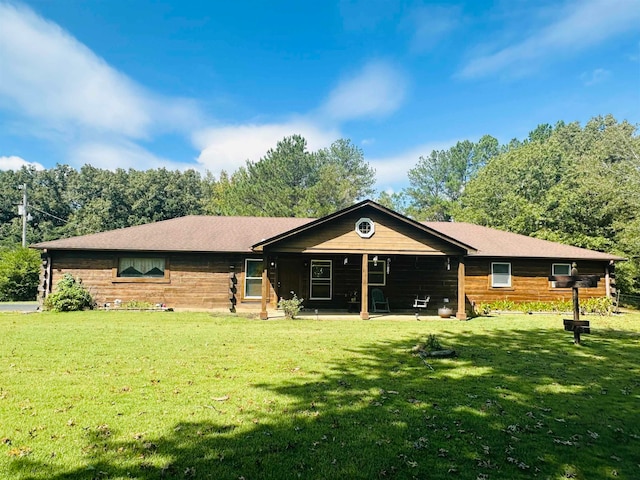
(561, 269)
(253, 278)
(378, 273)
(500, 274)
(365, 227)
(141, 267)
(321, 277)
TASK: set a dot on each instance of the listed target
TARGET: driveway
(18, 307)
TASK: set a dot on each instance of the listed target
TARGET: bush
(291, 307)
(69, 296)
(598, 305)
(19, 274)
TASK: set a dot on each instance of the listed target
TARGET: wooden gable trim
(271, 242)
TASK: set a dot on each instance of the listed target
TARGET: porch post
(364, 296)
(462, 311)
(265, 290)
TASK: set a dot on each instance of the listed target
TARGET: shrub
(69, 296)
(598, 305)
(19, 274)
(291, 307)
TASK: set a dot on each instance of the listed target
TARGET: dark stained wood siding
(195, 281)
(201, 281)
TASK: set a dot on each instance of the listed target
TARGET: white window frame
(321, 281)
(384, 273)
(553, 268)
(372, 227)
(247, 278)
(494, 283)
(553, 271)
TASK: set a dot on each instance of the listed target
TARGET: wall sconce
(388, 265)
(375, 261)
(448, 263)
(345, 261)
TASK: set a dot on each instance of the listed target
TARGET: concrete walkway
(27, 307)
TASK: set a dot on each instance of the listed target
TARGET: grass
(189, 395)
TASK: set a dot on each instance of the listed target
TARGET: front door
(290, 278)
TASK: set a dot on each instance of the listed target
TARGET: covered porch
(345, 282)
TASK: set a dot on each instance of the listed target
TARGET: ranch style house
(338, 262)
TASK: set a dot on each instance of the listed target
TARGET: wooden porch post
(462, 311)
(265, 290)
(364, 296)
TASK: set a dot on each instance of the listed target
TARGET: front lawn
(188, 395)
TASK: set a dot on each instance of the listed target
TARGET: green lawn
(188, 395)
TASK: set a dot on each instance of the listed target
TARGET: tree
(290, 181)
(19, 274)
(438, 181)
(579, 186)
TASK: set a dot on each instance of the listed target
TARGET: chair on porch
(378, 301)
(419, 303)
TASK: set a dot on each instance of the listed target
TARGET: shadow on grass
(514, 404)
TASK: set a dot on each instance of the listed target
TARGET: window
(135, 267)
(377, 273)
(500, 274)
(365, 227)
(320, 280)
(561, 269)
(253, 278)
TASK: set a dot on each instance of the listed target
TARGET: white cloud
(378, 89)
(430, 23)
(391, 172)
(49, 76)
(598, 75)
(13, 162)
(579, 25)
(228, 147)
(125, 154)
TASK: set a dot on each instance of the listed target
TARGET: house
(334, 262)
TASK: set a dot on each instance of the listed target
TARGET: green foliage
(291, 306)
(594, 305)
(290, 181)
(69, 296)
(19, 274)
(137, 305)
(570, 184)
(437, 181)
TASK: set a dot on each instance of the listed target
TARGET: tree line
(570, 183)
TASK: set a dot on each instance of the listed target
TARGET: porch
(334, 284)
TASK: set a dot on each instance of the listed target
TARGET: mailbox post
(576, 282)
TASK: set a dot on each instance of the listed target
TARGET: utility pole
(22, 210)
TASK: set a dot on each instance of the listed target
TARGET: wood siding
(195, 281)
(391, 236)
(202, 281)
(529, 281)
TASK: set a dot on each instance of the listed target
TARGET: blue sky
(207, 85)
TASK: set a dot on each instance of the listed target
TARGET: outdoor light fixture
(448, 263)
(388, 265)
(346, 260)
(375, 261)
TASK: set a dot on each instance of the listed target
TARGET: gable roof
(208, 234)
(365, 204)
